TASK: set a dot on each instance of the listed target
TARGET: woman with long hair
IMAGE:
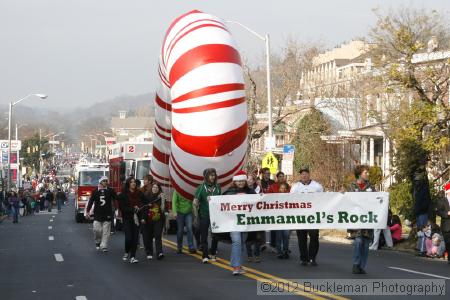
(129, 202)
(239, 186)
(152, 219)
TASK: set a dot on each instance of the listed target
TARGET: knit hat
(241, 175)
(102, 178)
(447, 188)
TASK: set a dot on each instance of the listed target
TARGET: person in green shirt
(209, 187)
(182, 210)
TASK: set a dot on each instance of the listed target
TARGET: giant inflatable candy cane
(200, 111)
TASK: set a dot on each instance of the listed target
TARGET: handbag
(154, 213)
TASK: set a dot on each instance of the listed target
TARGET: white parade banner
(363, 210)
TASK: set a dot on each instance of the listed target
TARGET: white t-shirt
(312, 187)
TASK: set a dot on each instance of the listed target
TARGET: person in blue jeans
(14, 202)
(362, 237)
(238, 187)
(182, 209)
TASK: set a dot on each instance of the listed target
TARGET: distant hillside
(96, 117)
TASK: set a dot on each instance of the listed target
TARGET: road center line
(50, 227)
(51, 238)
(51, 220)
(59, 257)
(417, 272)
(80, 298)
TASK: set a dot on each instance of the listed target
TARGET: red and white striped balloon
(201, 103)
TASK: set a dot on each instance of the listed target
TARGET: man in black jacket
(102, 198)
(443, 210)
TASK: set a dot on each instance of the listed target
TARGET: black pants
(214, 244)
(273, 238)
(446, 236)
(150, 231)
(131, 231)
(308, 253)
(204, 229)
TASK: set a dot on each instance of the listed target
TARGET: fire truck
(88, 175)
(126, 159)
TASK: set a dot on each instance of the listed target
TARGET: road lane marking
(50, 227)
(59, 257)
(51, 220)
(51, 238)
(225, 265)
(80, 298)
(417, 272)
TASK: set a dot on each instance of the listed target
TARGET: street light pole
(266, 39)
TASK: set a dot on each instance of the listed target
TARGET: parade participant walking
(307, 254)
(443, 210)
(129, 201)
(102, 198)
(14, 203)
(209, 187)
(152, 219)
(60, 199)
(182, 210)
(362, 237)
(239, 187)
(281, 178)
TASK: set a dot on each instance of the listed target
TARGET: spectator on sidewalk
(443, 210)
(396, 229)
(387, 237)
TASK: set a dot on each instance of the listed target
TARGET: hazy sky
(84, 51)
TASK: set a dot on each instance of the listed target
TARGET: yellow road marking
(225, 263)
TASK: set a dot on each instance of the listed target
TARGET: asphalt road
(49, 256)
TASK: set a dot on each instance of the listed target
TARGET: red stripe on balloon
(201, 55)
(162, 104)
(209, 90)
(182, 177)
(163, 79)
(211, 106)
(160, 156)
(197, 177)
(161, 135)
(162, 128)
(175, 23)
(159, 176)
(190, 31)
(181, 191)
(206, 146)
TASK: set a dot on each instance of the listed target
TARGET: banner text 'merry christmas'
(262, 205)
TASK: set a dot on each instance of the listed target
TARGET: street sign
(16, 145)
(269, 143)
(271, 162)
(287, 166)
(288, 149)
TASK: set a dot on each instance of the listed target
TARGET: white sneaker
(125, 257)
(133, 260)
(149, 257)
(205, 260)
(105, 249)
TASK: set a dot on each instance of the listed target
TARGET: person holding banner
(306, 185)
(209, 187)
(239, 186)
(362, 237)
